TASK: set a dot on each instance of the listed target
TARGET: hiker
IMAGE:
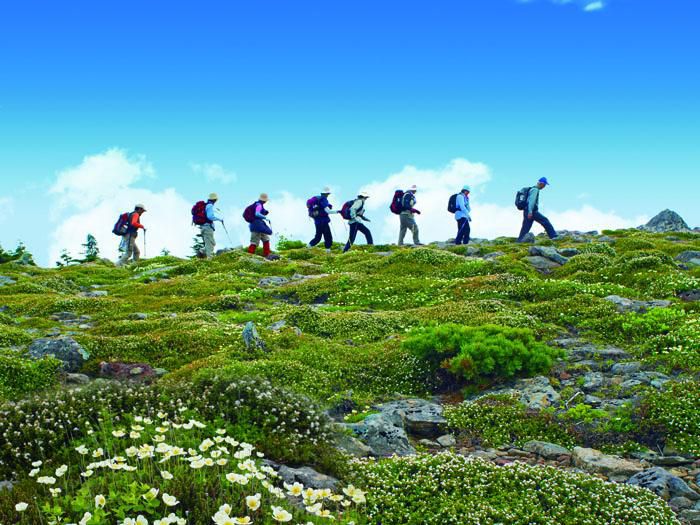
(259, 226)
(207, 227)
(354, 212)
(132, 232)
(531, 213)
(407, 219)
(320, 211)
(462, 215)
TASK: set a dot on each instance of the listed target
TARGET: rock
(6, 485)
(76, 379)
(488, 455)
(680, 503)
(352, 446)
(666, 221)
(64, 349)
(548, 252)
(537, 393)
(307, 477)
(493, 255)
(4, 281)
(272, 281)
(529, 238)
(542, 264)
(384, 434)
(569, 252)
(624, 369)
(689, 257)
(138, 316)
(670, 461)
(663, 484)
(546, 450)
(251, 338)
(447, 441)
(420, 417)
(428, 443)
(94, 293)
(276, 327)
(624, 305)
(690, 296)
(127, 371)
(155, 273)
(691, 516)
(592, 381)
(595, 462)
(160, 372)
(607, 239)
(593, 401)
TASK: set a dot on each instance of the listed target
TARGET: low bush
(21, 375)
(677, 412)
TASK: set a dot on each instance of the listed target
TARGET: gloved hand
(415, 211)
(365, 219)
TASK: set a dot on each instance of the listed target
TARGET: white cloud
(214, 173)
(594, 6)
(90, 197)
(7, 207)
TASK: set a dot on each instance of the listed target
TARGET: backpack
(397, 202)
(199, 213)
(121, 227)
(249, 213)
(521, 198)
(345, 210)
(452, 203)
(312, 205)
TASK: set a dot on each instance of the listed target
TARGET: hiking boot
(273, 257)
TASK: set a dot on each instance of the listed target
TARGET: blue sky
(239, 97)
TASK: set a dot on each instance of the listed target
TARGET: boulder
(529, 238)
(666, 221)
(251, 338)
(127, 371)
(542, 264)
(272, 281)
(569, 252)
(595, 462)
(689, 257)
(492, 256)
(65, 349)
(690, 296)
(592, 381)
(537, 393)
(447, 441)
(624, 369)
(663, 484)
(94, 293)
(277, 326)
(420, 417)
(625, 305)
(4, 281)
(352, 446)
(546, 450)
(307, 477)
(384, 434)
(548, 252)
(76, 379)
(138, 316)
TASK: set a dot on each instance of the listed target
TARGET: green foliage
(451, 489)
(501, 420)
(21, 375)
(284, 244)
(677, 412)
(19, 254)
(601, 248)
(481, 355)
(12, 336)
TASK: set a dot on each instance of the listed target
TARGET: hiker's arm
(259, 213)
(211, 214)
(330, 210)
(531, 200)
(354, 209)
(136, 221)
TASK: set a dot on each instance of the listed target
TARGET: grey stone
(569, 252)
(4, 281)
(488, 455)
(623, 369)
(593, 381)
(529, 238)
(307, 477)
(276, 327)
(536, 392)
(690, 296)
(680, 503)
(6, 485)
(670, 461)
(691, 516)
(447, 441)
(493, 255)
(95, 293)
(664, 484)
(690, 257)
(138, 316)
(352, 446)
(542, 264)
(272, 281)
(625, 305)
(607, 239)
(546, 450)
(420, 417)
(429, 443)
(384, 434)
(548, 252)
(593, 401)
(65, 349)
(595, 462)
(251, 338)
(76, 379)
(666, 221)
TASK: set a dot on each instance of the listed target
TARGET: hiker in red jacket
(129, 241)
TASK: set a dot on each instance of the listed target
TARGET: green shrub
(21, 375)
(481, 355)
(677, 412)
(451, 489)
(602, 248)
(12, 336)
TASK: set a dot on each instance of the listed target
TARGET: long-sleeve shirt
(324, 211)
(260, 211)
(135, 223)
(463, 207)
(212, 215)
(533, 200)
(357, 210)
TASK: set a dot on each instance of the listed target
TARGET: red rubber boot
(251, 249)
(266, 248)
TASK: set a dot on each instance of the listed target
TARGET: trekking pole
(144, 244)
(227, 235)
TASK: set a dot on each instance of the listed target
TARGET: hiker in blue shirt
(321, 213)
(531, 213)
(207, 229)
(357, 213)
(463, 217)
(407, 216)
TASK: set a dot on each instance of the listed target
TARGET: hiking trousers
(540, 219)
(132, 250)
(358, 227)
(408, 223)
(463, 231)
(323, 230)
(207, 232)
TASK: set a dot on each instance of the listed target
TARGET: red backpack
(199, 213)
(397, 202)
(249, 213)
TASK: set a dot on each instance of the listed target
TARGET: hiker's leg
(544, 222)
(208, 239)
(414, 230)
(467, 232)
(327, 236)
(403, 229)
(527, 226)
(265, 238)
(317, 236)
(460, 230)
(365, 231)
(135, 249)
(352, 237)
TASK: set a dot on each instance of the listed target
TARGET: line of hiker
(319, 209)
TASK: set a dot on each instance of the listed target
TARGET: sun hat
(544, 181)
(213, 197)
(363, 194)
(413, 188)
(466, 188)
(326, 191)
(264, 197)
(140, 206)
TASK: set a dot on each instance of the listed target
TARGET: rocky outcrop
(542, 264)
(625, 305)
(251, 338)
(65, 349)
(4, 281)
(689, 257)
(595, 462)
(664, 484)
(666, 221)
(127, 371)
(546, 450)
(420, 417)
(384, 434)
(548, 252)
(307, 477)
